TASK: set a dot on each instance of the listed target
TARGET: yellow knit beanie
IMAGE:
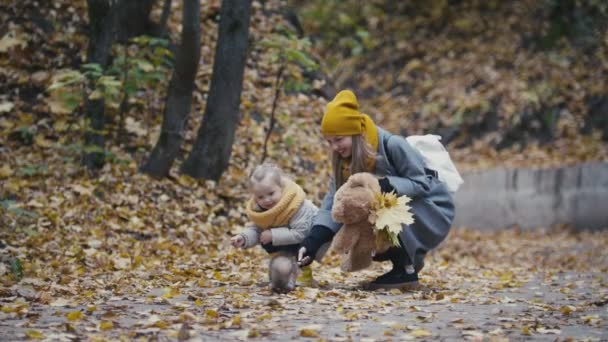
(342, 117)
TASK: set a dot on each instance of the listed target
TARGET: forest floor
(116, 255)
(511, 285)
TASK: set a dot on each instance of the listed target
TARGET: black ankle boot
(397, 277)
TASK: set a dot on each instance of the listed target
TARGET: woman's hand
(385, 185)
(266, 237)
(304, 259)
(237, 241)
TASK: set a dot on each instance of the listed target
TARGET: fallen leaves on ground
(118, 255)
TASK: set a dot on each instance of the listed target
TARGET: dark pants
(289, 249)
(397, 255)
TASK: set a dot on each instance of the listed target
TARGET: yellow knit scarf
(281, 213)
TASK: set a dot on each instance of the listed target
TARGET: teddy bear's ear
(356, 182)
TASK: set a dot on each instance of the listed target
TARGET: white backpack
(437, 158)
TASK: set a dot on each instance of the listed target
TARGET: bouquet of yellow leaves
(388, 215)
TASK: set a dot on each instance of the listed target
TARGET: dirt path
(567, 305)
(478, 286)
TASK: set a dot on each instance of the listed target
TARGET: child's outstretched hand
(237, 241)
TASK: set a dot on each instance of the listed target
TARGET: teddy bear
(354, 203)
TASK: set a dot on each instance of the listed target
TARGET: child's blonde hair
(361, 153)
(266, 170)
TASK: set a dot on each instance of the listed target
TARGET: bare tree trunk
(179, 97)
(101, 35)
(134, 19)
(211, 151)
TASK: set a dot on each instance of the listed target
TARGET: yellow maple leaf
(106, 325)
(391, 218)
(253, 333)
(34, 335)
(162, 325)
(74, 316)
(211, 313)
(308, 333)
(567, 309)
(41, 141)
(265, 316)
(421, 333)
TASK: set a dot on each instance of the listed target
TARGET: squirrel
(282, 272)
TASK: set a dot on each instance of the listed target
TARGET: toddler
(281, 218)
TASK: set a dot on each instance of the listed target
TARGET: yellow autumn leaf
(421, 333)
(186, 181)
(351, 316)
(211, 313)
(34, 335)
(106, 325)
(82, 190)
(391, 218)
(253, 333)
(162, 324)
(58, 106)
(413, 65)
(264, 316)
(591, 319)
(567, 309)
(41, 141)
(61, 125)
(218, 276)
(6, 171)
(308, 333)
(168, 294)
(74, 316)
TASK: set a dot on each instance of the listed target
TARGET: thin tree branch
(164, 17)
(277, 93)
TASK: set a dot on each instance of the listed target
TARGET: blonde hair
(361, 153)
(266, 170)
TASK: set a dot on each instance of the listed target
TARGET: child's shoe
(305, 278)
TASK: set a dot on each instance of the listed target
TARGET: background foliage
(492, 75)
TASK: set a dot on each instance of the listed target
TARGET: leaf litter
(121, 256)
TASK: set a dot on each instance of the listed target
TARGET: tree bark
(179, 97)
(101, 35)
(211, 151)
(134, 19)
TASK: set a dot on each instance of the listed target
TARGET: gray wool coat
(432, 204)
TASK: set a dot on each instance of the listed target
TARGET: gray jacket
(297, 229)
(431, 203)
